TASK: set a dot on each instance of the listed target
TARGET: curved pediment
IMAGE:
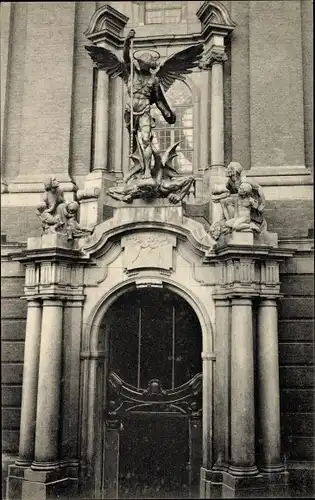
(107, 24)
(212, 12)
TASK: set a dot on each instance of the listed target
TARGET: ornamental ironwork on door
(153, 400)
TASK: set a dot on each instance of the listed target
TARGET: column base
(272, 468)
(41, 485)
(222, 484)
(243, 471)
(14, 481)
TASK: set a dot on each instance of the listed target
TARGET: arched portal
(147, 382)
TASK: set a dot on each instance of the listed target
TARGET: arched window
(163, 12)
(180, 98)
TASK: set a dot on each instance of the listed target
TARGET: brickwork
(296, 357)
(13, 321)
(275, 56)
(46, 111)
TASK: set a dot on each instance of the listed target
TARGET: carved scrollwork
(124, 397)
(215, 56)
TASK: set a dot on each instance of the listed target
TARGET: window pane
(153, 17)
(172, 16)
(164, 135)
(163, 12)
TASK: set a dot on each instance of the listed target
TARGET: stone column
(242, 389)
(207, 421)
(269, 393)
(101, 122)
(221, 385)
(30, 380)
(48, 400)
(72, 321)
(217, 171)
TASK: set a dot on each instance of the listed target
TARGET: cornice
(49, 254)
(227, 252)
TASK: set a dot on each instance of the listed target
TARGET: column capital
(268, 301)
(241, 301)
(33, 301)
(216, 55)
(221, 300)
(75, 302)
(53, 301)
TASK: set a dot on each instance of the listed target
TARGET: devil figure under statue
(152, 174)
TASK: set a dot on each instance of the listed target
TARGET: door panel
(154, 457)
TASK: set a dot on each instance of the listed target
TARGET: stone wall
(13, 322)
(296, 356)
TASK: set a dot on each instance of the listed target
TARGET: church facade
(144, 355)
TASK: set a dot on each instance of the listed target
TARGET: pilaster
(216, 27)
(105, 30)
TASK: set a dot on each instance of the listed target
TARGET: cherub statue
(50, 223)
(230, 199)
(146, 83)
(73, 228)
(244, 206)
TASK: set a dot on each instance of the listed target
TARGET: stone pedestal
(41, 485)
(92, 197)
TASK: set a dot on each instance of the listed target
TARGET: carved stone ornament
(57, 216)
(215, 56)
(151, 173)
(242, 202)
(147, 249)
(122, 397)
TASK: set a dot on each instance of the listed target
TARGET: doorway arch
(95, 369)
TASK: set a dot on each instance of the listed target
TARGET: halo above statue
(143, 54)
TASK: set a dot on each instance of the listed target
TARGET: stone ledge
(281, 176)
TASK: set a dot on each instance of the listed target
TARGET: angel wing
(108, 61)
(179, 64)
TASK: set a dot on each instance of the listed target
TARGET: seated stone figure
(58, 216)
(54, 199)
(50, 223)
(243, 213)
(231, 201)
(73, 228)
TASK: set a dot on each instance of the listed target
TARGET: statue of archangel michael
(147, 83)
